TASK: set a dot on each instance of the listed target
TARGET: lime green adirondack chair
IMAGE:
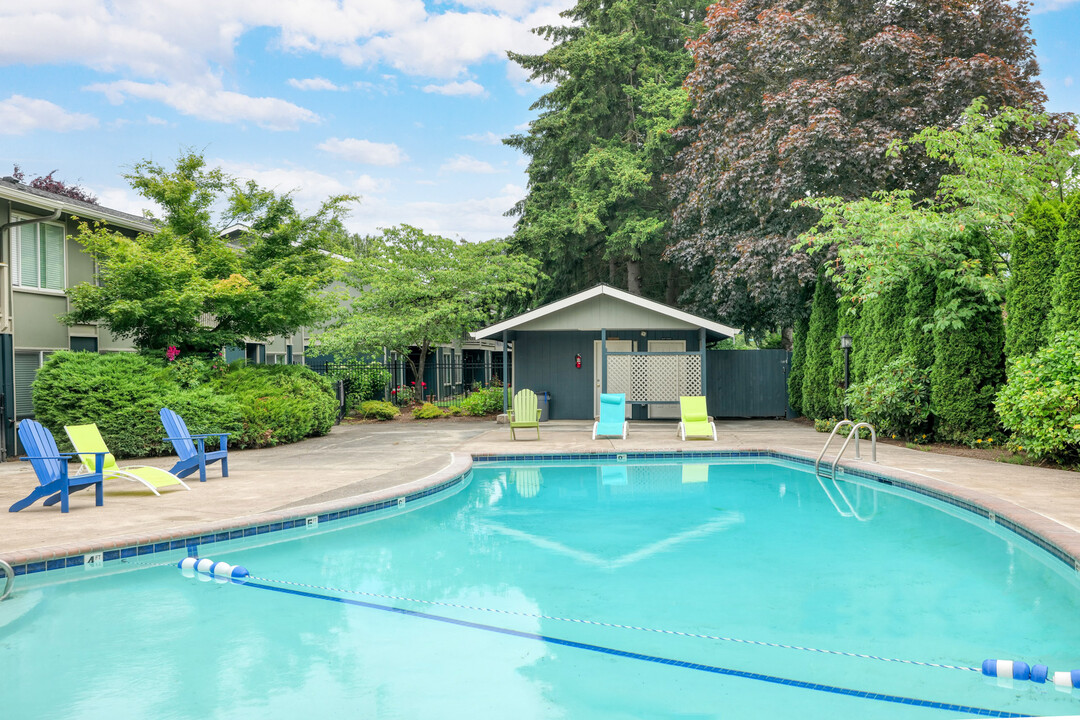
(695, 421)
(525, 413)
(87, 440)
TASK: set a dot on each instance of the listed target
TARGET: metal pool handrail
(9, 573)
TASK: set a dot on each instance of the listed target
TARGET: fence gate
(747, 383)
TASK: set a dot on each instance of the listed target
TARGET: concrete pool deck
(359, 462)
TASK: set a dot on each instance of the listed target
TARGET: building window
(255, 354)
(37, 253)
(83, 344)
(26, 367)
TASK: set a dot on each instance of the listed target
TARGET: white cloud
(315, 83)
(308, 187)
(1043, 6)
(365, 151)
(467, 164)
(1068, 81)
(20, 114)
(469, 87)
(211, 103)
(486, 138)
(154, 120)
(126, 200)
(475, 219)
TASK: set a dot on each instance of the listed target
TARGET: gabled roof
(605, 292)
(21, 193)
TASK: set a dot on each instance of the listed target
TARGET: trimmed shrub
(798, 365)
(488, 401)
(896, 400)
(918, 341)
(1032, 261)
(280, 403)
(968, 364)
(378, 409)
(821, 396)
(427, 411)
(1066, 299)
(1040, 402)
(122, 393)
(363, 381)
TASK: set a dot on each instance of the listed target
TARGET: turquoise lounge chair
(51, 467)
(525, 413)
(191, 449)
(695, 420)
(612, 417)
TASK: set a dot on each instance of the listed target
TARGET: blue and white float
(206, 569)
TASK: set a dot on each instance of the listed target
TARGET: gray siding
(544, 360)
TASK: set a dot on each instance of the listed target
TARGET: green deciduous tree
(185, 286)
(821, 396)
(806, 96)
(884, 239)
(1033, 262)
(596, 207)
(420, 290)
(1065, 315)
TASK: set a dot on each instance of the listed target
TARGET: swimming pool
(475, 606)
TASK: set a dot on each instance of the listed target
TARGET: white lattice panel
(654, 377)
(692, 373)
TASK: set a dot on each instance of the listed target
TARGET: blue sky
(401, 102)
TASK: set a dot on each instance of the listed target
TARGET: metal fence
(445, 382)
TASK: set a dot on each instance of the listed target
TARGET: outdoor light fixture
(845, 345)
(577, 360)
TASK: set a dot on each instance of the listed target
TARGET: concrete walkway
(354, 461)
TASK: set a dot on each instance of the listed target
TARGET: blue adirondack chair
(191, 449)
(51, 467)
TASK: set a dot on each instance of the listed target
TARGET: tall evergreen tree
(804, 97)
(918, 341)
(1032, 261)
(1066, 299)
(596, 208)
(820, 395)
(880, 335)
(798, 365)
(969, 363)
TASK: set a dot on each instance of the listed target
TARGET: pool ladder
(9, 574)
(855, 427)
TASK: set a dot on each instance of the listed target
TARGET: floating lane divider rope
(222, 572)
(206, 569)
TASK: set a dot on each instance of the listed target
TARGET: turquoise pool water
(749, 551)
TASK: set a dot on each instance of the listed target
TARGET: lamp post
(845, 345)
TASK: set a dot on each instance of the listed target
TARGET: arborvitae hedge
(1066, 298)
(798, 365)
(1032, 261)
(968, 365)
(847, 323)
(880, 333)
(919, 311)
(819, 399)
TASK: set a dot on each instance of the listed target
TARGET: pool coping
(1052, 536)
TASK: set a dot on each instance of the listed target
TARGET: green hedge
(798, 365)
(378, 409)
(1066, 298)
(1040, 403)
(123, 392)
(488, 401)
(279, 403)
